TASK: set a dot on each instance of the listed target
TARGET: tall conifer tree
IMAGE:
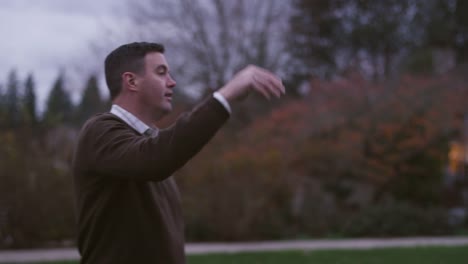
(29, 100)
(91, 102)
(59, 105)
(12, 103)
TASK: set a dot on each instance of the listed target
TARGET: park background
(370, 140)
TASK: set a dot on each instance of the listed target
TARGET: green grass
(412, 255)
(426, 255)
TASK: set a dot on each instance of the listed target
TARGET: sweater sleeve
(117, 151)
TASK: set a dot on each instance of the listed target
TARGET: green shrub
(399, 219)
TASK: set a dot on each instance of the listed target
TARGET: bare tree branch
(210, 40)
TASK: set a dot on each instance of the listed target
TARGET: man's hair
(127, 58)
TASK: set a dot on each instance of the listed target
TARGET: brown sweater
(128, 205)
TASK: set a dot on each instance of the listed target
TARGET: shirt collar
(131, 119)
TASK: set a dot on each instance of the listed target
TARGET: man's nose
(171, 82)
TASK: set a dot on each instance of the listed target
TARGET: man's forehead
(155, 59)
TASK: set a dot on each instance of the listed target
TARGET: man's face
(156, 85)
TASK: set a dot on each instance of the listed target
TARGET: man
(128, 204)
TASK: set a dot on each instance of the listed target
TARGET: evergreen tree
(381, 33)
(2, 108)
(444, 27)
(331, 36)
(12, 103)
(29, 101)
(315, 37)
(59, 104)
(441, 26)
(461, 20)
(91, 102)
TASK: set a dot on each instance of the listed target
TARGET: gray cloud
(45, 36)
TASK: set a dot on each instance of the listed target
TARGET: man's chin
(167, 109)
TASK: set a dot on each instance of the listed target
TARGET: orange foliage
(346, 130)
(371, 131)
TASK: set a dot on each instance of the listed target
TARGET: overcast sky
(46, 36)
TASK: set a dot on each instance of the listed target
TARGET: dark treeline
(382, 38)
(35, 186)
(368, 143)
(18, 103)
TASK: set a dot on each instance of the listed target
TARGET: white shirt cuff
(223, 101)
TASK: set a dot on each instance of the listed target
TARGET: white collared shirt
(222, 100)
(133, 121)
(142, 128)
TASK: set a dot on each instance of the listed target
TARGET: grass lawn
(412, 255)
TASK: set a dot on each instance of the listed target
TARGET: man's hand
(252, 78)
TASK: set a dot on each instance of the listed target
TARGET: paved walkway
(18, 256)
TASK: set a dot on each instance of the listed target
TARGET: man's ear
(130, 81)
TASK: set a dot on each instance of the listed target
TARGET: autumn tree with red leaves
(349, 144)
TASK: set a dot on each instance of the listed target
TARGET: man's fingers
(260, 87)
(270, 84)
(266, 87)
(275, 86)
(272, 87)
(253, 78)
(275, 80)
